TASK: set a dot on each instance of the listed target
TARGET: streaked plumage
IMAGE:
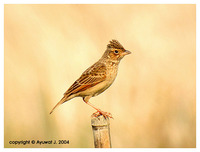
(98, 77)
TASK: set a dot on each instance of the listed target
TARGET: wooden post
(101, 132)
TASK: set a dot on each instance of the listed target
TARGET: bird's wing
(91, 77)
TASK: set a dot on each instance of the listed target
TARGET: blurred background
(153, 99)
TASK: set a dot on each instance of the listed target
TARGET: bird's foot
(105, 114)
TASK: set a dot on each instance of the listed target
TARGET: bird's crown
(115, 44)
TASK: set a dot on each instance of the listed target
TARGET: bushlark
(97, 78)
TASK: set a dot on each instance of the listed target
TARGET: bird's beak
(126, 52)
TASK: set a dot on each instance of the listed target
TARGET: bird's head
(115, 51)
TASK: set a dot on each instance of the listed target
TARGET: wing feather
(91, 77)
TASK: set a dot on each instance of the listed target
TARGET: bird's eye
(116, 52)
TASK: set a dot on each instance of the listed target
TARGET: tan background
(153, 102)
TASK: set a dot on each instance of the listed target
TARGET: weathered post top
(101, 132)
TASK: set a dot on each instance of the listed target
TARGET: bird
(97, 78)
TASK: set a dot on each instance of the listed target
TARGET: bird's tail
(64, 99)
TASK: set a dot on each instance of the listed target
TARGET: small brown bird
(97, 78)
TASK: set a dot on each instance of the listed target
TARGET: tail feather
(64, 99)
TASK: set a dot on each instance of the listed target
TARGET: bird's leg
(99, 112)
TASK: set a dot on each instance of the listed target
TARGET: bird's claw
(105, 114)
